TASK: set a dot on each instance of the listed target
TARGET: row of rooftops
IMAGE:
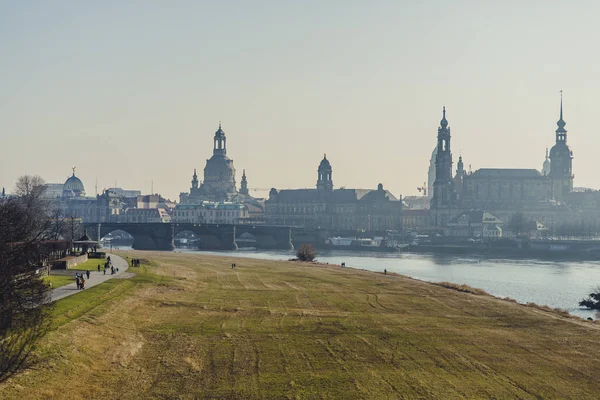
(341, 195)
(223, 206)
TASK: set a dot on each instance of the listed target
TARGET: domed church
(73, 187)
(219, 175)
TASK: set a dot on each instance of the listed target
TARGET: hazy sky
(132, 91)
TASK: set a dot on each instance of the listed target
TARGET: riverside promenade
(95, 279)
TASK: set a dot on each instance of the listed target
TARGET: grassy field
(187, 326)
(59, 280)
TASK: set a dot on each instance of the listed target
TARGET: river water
(555, 284)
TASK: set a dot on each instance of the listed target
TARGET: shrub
(306, 252)
(593, 300)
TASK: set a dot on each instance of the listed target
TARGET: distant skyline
(133, 91)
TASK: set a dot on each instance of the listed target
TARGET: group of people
(233, 266)
(135, 262)
(80, 279)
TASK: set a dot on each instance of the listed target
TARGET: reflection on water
(556, 284)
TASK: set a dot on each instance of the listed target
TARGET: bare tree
(306, 252)
(517, 223)
(24, 297)
(58, 225)
(30, 186)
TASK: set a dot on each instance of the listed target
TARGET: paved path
(95, 278)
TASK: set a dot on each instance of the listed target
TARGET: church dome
(324, 163)
(560, 150)
(220, 132)
(546, 167)
(434, 154)
(73, 187)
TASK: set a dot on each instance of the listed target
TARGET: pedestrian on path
(88, 273)
(98, 267)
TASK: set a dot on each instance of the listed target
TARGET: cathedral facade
(540, 195)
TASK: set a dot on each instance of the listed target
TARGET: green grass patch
(89, 265)
(57, 281)
(86, 301)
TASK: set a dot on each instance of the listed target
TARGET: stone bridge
(160, 236)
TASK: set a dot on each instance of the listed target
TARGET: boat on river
(364, 244)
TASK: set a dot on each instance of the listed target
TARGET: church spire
(244, 184)
(444, 121)
(561, 132)
(195, 180)
(220, 142)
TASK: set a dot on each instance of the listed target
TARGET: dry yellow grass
(191, 327)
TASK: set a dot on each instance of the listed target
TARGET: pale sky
(132, 91)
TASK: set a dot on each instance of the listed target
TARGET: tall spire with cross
(244, 184)
(561, 160)
(561, 132)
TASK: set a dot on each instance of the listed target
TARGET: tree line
(26, 221)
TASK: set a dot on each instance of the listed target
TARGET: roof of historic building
(337, 196)
(74, 184)
(506, 173)
(325, 163)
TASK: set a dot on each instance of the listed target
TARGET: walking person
(385, 271)
(98, 267)
(88, 273)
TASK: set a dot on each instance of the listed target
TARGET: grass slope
(188, 326)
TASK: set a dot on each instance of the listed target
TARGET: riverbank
(189, 325)
(549, 283)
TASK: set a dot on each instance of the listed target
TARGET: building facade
(211, 213)
(545, 196)
(337, 209)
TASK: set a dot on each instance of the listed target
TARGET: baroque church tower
(324, 180)
(244, 184)
(444, 194)
(195, 181)
(561, 161)
(443, 189)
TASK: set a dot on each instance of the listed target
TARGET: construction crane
(423, 189)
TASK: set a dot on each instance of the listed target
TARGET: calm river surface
(556, 284)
